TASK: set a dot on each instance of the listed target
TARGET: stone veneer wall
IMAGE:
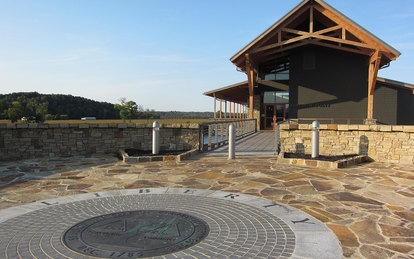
(382, 143)
(20, 141)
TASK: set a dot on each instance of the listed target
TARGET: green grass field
(120, 121)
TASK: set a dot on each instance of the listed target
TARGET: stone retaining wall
(382, 143)
(20, 141)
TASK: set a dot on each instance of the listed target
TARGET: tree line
(35, 107)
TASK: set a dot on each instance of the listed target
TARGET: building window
(276, 97)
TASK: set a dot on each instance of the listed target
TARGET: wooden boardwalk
(261, 143)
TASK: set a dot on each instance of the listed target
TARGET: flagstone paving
(369, 207)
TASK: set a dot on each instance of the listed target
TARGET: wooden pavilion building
(316, 63)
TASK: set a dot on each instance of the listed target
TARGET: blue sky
(162, 54)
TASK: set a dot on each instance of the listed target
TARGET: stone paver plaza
(370, 207)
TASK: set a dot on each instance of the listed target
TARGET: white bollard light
(155, 138)
(232, 141)
(315, 139)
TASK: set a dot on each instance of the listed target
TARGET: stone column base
(370, 121)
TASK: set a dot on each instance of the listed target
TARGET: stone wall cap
(11, 125)
(397, 128)
(343, 127)
(409, 129)
(22, 126)
(140, 126)
(384, 128)
(305, 126)
(83, 125)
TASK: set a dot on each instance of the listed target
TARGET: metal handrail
(216, 133)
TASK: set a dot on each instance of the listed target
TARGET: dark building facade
(315, 63)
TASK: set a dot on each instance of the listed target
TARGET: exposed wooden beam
(323, 44)
(251, 80)
(305, 35)
(275, 45)
(284, 24)
(349, 42)
(334, 28)
(375, 59)
(311, 20)
(299, 32)
(374, 65)
(360, 35)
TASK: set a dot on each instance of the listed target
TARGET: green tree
(15, 112)
(128, 109)
(40, 112)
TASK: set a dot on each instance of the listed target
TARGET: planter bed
(322, 161)
(134, 156)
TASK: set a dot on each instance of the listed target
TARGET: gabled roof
(396, 83)
(327, 27)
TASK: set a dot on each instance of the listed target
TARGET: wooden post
(311, 20)
(374, 65)
(220, 108)
(225, 107)
(215, 116)
(230, 110)
(234, 110)
(251, 79)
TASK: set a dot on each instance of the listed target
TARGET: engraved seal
(135, 234)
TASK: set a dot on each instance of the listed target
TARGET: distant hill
(60, 106)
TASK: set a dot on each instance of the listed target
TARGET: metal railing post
(155, 138)
(232, 141)
(315, 139)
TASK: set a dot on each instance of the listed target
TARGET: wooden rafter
(343, 48)
(317, 35)
(340, 31)
(333, 28)
(374, 65)
(293, 46)
(285, 23)
(349, 27)
(275, 45)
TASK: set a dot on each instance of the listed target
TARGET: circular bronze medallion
(135, 234)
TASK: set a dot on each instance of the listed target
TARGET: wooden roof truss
(312, 22)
